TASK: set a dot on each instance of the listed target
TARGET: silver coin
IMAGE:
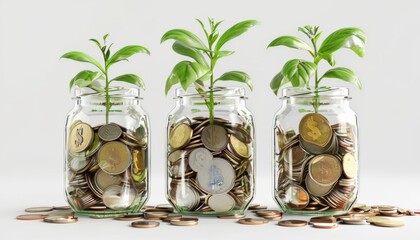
(217, 178)
(200, 158)
(186, 196)
(109, 132)
(221, 202)
(119, 197)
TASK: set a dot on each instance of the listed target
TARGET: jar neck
(221, 96)
(120, 97)
(325, 96)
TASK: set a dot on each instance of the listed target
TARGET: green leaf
(183, 49)
(292, 42)
(298, 71)
(235, 31)
(221, 54)
(278, 81)
(130, 78)
(352, 38)
(84, 77)
(82, 57)
(202, 27)
(330, 59)
(105, 37)
(96, 42)
(237, 76)
(170, 81)
(188, 72)
(125, 53)
(344, 74)
(186, 37)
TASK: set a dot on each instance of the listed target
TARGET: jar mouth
(322, 92)
(218, 92)
(114, 92)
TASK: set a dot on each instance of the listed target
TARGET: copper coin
(172, 216)
(39, 209)
(145, 224)
(155, 215)
(184, 221)
(253, 221)
(326, 219)
(64, 208)
(235, 216)
(60, 220)
(31, 217)
(257, 207)
(129, 217)
(293, 223)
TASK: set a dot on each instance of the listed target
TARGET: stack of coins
(210, 166)
(106, 168)
(317, 168)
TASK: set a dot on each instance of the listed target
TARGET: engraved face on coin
(119, 197)
(349, 165)
(81, 137)
(325, 169)
(221, 202)
(180, 136)
(218, 178)
(239, 147)
(200, 158)
(114, 157)
(109, 132)
(214, 137)
(315, 128)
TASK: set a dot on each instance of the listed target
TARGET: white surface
(34, 98)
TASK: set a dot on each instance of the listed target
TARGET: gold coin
(145, 224)
(293, 223)
(315, 189)
(184, 221)
(104, 180)
(315, 128)
(81, 137)
(239, 147)
(253, 221)
(180, 136)
(114, 157)
(214, 137)
(349, 165)
(60, 220)
(31, 217)
(64, 207)
(385, 222)
(138, 161)
(325, 169)
(39, 209)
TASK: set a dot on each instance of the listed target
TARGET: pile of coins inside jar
(317, 168)
(106, 167)
(210, 166)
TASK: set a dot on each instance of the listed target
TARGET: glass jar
(107, 154)
(315, 153)
(210, 163)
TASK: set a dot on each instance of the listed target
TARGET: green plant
(200, 70)
(298, 72)
(92, 79)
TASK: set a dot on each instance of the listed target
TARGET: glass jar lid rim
(115, 92)
(302, 92)
(227, 92)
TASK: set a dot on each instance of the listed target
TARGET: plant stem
(316, 61)
(107, 97)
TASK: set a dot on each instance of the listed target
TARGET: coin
(184, 221)
(315, 128)
(221, 202)
(114, 157)
(129, 217)
(239, 148)
(299, 198)
(31, 217)
(234, 216)
(64, 207)
(214, 137)
(325, 169)
(176, 155)
(180, 136)
(253, 221)
(119, 197)
(172, 216)
(241, 134)
(158, 215)
(81, 136)
(323, 219)
(39, 209)
(385, 222)
(145, 224)
(79, 164)
(167, 207)
(257, 207)
(109, 132)
(60, 220)
(218, 178)
(293, 223)
(316, 189)
(104, 180)
(264, 213)
(295, 155)
(353, 220)
(325, 225)
(349, 165)
(199, 159)
(186, 197)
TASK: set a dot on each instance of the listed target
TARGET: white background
(34, 98)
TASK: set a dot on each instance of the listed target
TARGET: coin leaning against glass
(200, 159)
(214, 137)
(218, 178)
(114, 157)
(239, 147)
(81, 137)
(109, 132)
(349, 165)
(180, 136)
(315, 128)
(221, 202)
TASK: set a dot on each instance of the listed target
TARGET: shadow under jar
(210, 164)
(107, 158)
(315, 153)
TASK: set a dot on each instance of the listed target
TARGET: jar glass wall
(315, 152)
(210, 163)
(107, 159)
